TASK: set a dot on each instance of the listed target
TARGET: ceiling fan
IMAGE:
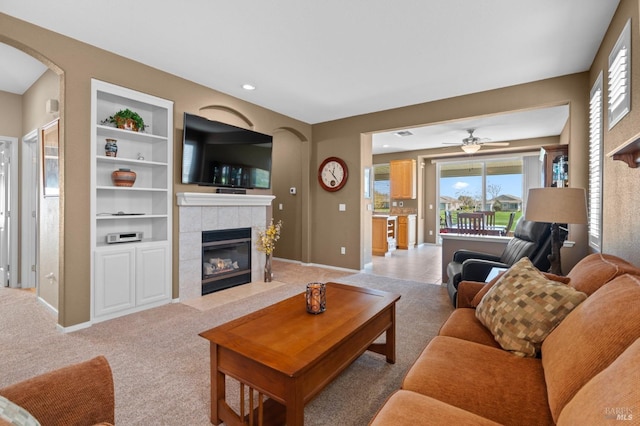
(472, 144)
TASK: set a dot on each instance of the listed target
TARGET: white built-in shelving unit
(131, 276)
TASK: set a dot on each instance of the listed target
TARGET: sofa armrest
(80, 394)
(467, 290)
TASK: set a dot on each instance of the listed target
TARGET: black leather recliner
(530, 239)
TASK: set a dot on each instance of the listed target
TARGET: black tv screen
(219, 154)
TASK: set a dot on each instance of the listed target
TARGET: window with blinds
(595, 165)
(619, 77)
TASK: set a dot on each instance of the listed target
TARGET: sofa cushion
(479, 295)
(489, 382)
(590, 338)
(411, 408)
(79, 394)
(463, 324)
(523, 307)
(597, 269)
(611, 395)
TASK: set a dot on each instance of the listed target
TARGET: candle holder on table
(316, 298)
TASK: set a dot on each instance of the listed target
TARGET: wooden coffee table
(289, 355)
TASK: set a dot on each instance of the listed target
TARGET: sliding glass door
(491, 184)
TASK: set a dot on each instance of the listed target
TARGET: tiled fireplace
(198, 212)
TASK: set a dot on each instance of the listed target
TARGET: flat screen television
(219, 154)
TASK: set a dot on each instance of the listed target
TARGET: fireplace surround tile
(190, 219)
(199, 212)
(188, 240)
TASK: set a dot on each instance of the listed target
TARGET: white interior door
(8, 197)
(29, 209)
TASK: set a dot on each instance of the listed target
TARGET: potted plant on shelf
(128, 120)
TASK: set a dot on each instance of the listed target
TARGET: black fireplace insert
(226, 259)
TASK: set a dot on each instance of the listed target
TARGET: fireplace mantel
(202, 199)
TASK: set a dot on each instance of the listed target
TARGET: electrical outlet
(430, 232)
(343, 250)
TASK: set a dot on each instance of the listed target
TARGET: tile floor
(422, 264)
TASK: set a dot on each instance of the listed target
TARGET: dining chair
(470, 223)
(507, 228)
(448, 222)
(489, 218)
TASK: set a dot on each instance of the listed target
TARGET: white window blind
(619, 77)
(595, 165)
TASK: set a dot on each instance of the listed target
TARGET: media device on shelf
(219, 154)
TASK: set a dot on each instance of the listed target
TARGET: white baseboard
(74, 327)
(49, 307)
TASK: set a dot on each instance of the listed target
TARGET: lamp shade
(557, 205)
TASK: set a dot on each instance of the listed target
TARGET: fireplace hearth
(226, 259)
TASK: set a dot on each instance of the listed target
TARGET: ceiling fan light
(470, 149)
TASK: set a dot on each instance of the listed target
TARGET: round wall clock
(332, 174)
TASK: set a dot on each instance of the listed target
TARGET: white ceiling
(536, 123)
(323, 60)
(19, 70)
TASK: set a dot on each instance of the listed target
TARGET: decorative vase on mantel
(268, 275)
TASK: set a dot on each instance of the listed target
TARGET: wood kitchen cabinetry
(403, 179)
(555, 165)
(384, 234)
(406, 231)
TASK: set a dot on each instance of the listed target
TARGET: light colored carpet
(161, 365)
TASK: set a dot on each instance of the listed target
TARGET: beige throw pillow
(523, 307)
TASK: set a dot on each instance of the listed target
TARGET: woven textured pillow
(479, 295)
(523, 307)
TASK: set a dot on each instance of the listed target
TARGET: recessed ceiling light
(248, 86)
(403, 133)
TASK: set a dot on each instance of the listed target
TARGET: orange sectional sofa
(81, 394)
(586, 371)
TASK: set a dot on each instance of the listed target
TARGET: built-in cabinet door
(114, 281)
(406, 231)
(153, 278)
(403, 179)
(403, 232)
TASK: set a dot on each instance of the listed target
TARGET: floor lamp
(556, 206)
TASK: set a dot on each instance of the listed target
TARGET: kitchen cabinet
(406, 231)
(384, 234)
(402, 174)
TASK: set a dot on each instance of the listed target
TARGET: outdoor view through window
(473, 185)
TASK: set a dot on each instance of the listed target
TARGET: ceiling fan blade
(495, 143)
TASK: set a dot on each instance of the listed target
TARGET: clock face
(332, 174)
